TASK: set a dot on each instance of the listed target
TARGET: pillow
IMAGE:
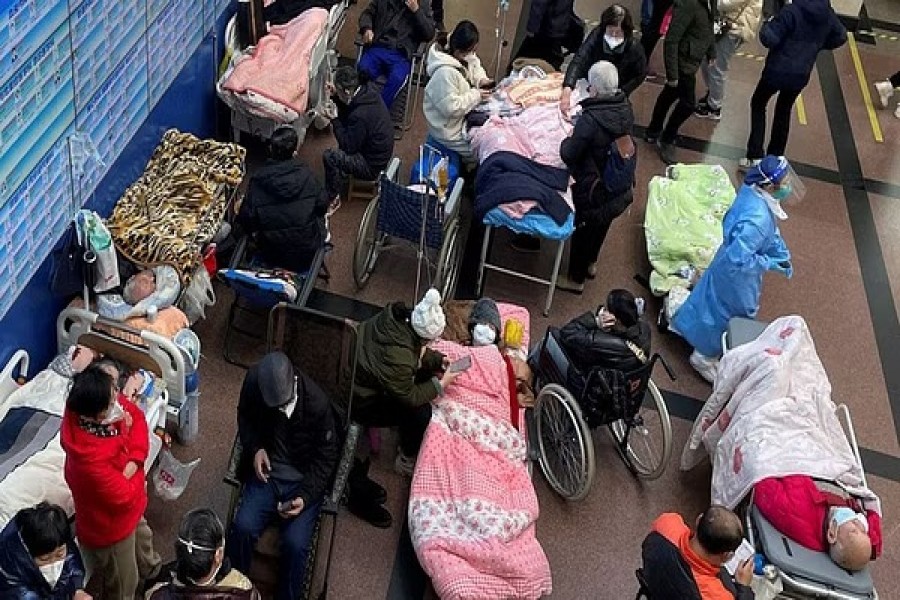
(168, 286)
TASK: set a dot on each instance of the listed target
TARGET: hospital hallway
(845, 241)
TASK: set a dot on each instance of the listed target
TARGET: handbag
(67, 272)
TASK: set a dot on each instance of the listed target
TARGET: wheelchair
(404, 108)
(332, 366)
(398, 213)
(563, 422)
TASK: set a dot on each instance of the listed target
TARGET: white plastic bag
(198, 295)
(99, 240)
(172, 476)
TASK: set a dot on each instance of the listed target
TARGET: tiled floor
(847, 277)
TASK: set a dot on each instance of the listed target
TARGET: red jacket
(798, 509)
(107, 505)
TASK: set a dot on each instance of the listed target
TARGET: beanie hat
(485, 311)
(275, 378)
(427, 318)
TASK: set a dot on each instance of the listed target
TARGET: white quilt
(771, 415)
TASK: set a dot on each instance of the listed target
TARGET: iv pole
(500, 33)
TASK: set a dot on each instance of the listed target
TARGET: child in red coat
(106, 441)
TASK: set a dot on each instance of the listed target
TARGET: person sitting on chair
(397, 377)
(686, 566)
(819, 520)
(284, 209)
(39, 558)
(201, 569)
(457, 84)
(616, 336)
(391, 32)
(290, 448)
(363, 131)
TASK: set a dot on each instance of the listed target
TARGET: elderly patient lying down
(770, 425)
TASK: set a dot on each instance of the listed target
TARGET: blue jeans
(256, 512)
(715, 75)
(378, 61)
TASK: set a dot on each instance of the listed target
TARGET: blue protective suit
(731, 286)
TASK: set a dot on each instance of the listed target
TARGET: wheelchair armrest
(393, 169)
(421, 50)
(234, 462)
(333, 500)
(239, 252)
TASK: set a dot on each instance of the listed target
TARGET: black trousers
(437, 9)
(385, 411)
(895, 79)
(781, 121)
(544, 48)
(685, 94)
(650, 33)
(591, 227)
(338, 165)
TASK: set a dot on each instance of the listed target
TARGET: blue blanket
(509, 177)
(24, 431)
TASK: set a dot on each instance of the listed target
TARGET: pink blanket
(473, 508)
(278, 69)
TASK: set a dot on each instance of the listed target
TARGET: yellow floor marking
(864, 87)
(801, 110)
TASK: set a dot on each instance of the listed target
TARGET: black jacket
(795, 37)
(690, 39)
(585, 152)
(21, 578)
(311, 434)
(669, 576)
(588, 346)
(395, 26)
(551, 18)
(282, 11)
(284, 211)
(365, 127)
(629, 60)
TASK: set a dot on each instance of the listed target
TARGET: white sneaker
(404, 465)
(885, 92)
(706, 366)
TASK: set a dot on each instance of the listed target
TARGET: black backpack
(621, 166)
(67, 272)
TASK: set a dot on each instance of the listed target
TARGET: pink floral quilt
(473, 508)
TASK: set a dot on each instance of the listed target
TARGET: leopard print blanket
(177, 205)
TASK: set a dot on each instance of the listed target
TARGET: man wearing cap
(397, 377)
(290, 448)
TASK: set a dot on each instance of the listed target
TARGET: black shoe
(705, 111)
(525, 243)
(362, 486)
(370, 512)
(667, 153)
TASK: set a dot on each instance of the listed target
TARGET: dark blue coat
(20, 578)
(794, 38)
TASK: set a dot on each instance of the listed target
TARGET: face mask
(844, 514)
(780, 193)
(483, 335)
(114, 413)
(52, 572)
(613, 42)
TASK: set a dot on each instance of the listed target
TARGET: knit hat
(603, 78)
(275, 378)
(427, 318)
(485, 311)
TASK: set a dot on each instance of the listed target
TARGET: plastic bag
(172, 476)
(99, 241)
(198, 295)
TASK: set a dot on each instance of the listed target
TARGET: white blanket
(771, 415)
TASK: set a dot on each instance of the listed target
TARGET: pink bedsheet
(473, 508)
(278, 69)
(536, 134)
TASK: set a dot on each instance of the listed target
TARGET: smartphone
(284, 506)
(460, 364)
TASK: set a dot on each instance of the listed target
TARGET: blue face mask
(845, 514)
(780, 193)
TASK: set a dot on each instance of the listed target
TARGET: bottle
(443, 176)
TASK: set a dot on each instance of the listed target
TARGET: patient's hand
(744, 573)
(368, 36)
(130, 469)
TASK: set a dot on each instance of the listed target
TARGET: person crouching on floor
(39, 558)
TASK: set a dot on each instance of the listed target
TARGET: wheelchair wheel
(448, 261)
(566, 446)
(368, 244)
(646, 445)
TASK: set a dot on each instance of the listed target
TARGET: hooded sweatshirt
(794, 38)
(108, 504)
(452, 92)
(285, 210)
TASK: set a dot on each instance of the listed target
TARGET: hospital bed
(31, 469)
(803, 573)
(259, 113)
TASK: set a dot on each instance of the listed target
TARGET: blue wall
(189, 105)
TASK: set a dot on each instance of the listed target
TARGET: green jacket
(388, 361)
(690, 38)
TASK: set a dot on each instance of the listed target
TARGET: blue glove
(784, 267)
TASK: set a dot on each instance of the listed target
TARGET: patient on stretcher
(820, 520)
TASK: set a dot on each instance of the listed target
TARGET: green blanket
(683, 222)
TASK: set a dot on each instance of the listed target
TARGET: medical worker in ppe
(751, 245)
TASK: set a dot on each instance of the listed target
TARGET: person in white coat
(457, 83)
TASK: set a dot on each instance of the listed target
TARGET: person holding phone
(290, 448)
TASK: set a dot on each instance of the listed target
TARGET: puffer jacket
(586, 151)
(550, 18)
(311, 433)
(690, 38)
(629, 60)
(389, 360)
(794, 38)
(230, 584)
(452, 91)
(395, 26)
(284, 210)
(742, 15)
(588, 346)
(365, 127)
(20, 578)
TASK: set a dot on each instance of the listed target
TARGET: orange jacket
(671, 526)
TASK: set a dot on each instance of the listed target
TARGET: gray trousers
(716, 75)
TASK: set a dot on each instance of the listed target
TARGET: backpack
(621, 166)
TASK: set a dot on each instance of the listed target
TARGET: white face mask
(114, 413)
(483, 335)
(613, 42)
(52, 572)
